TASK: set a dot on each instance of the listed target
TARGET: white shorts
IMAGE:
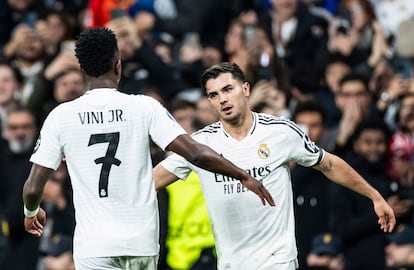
(120, 263)
(292, 265)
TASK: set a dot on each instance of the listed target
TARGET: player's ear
(118, 67)
(246, 88)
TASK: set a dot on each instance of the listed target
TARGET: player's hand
(385, 214)
(35, 224)
(258, 188)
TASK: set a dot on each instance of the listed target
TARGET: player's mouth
(226, 109)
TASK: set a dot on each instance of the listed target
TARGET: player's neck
(100, 82)
(240, 128)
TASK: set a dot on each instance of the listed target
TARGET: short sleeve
(48, 149)
(303, 150)
(163, 127)
(177, 165)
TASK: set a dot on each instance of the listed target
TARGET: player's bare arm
(340, 172)
(206, 158)
(35, 217)
(162, 177)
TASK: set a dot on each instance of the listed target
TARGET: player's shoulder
(144, 100)
(268, 119)
(208, 130)
(63, 107)
(279, 122)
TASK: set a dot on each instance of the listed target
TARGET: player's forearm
(162, 177)
(33, 187)
(205, 157)
(340, 172)
(211, 161)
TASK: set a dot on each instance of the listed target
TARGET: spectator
(205, 113)
(9, 87)
(61, 216)
(59, 254)
(53, 29)
(13, 13)
(143, 69)
(350, 214)
(27, 54)
(336, 68)
(68, 85)
(357, 35)
(326, 253)
(400, 251)
(401, 147)
(355, 103)
(44, 87)
(268, 98)
(401, 153)
(187, 17)
(300, 37)
(311, 197)
(233, 45)
(20, 131)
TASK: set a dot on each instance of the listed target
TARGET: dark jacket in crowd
(353, 217)
(310, 196)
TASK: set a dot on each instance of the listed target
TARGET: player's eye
(212, 95)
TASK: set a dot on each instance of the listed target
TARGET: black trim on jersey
(319, 158)
(273, 121)
(254, 123)
(309, 145)
(212, 128)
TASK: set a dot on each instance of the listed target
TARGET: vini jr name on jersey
(100, 117)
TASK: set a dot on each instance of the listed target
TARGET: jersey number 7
(107, 160)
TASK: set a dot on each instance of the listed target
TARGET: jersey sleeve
(48, 149)
(163, 127)
(177, 165)
(304, 151)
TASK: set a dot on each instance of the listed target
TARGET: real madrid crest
(263, 151)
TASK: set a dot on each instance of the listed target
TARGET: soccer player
(249, 236)
(105, 136)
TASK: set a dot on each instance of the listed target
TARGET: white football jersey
(105, 137)
(249, 235)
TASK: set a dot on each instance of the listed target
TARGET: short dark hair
(335, 58)
(371, 124)
(95, 50)
(225, 67)
(354, 77)
(309, 106)
(180, 104)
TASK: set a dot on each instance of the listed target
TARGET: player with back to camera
(105, 136)
(248, 236)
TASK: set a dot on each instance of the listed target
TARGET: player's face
(228, 97)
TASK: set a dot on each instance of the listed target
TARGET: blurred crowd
(341, 69)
